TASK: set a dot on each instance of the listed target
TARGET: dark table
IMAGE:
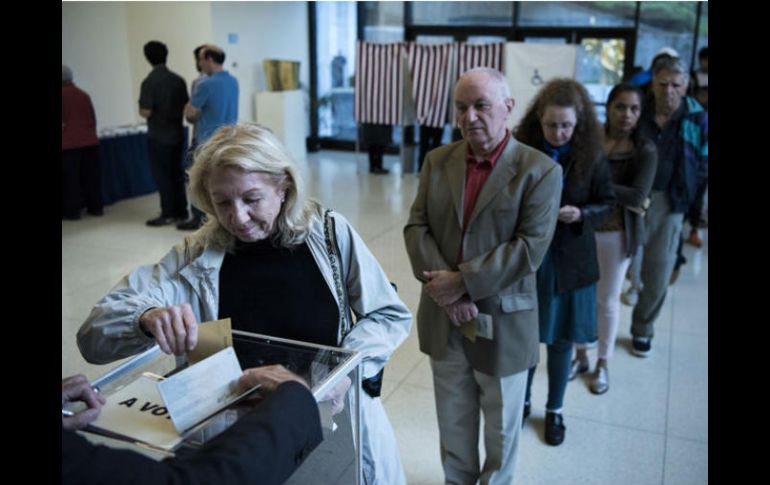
(126, 167)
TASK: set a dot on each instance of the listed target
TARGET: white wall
(182, 26)
(93, 45)
(265, 30)
(102, 43)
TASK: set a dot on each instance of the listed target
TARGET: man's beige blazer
(507, 237)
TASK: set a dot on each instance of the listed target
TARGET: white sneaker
(630, 296)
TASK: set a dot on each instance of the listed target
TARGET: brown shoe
(695, 239)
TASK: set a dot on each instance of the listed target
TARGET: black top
(264, 447)
(165, 94)
(574, 245)
(617, 164)
(279, 292)
(667, 141)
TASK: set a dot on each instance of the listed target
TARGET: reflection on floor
(650, 428)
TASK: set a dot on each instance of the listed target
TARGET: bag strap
(335, 259)
(372, 385)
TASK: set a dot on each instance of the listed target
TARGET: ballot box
(330, 371)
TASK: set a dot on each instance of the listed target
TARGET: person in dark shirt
(80, 165)
(162, 99)
(561, 122)
(265, 446)
(678, 125)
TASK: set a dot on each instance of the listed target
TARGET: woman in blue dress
(561, 122)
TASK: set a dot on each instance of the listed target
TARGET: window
(383, 21)
(462, 13)
(665, 24)
(335, 51)
(577, 14)
(703, 30)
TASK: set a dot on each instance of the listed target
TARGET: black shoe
(97, 212)
(554, 428)
(379, 171)
(190, 225)
(641, 346)
(162, 221)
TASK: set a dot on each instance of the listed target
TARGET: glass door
(600, 66)
(335, 46)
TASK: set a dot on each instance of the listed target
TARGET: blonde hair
(250, 148)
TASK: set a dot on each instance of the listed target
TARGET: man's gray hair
(670, 64)
(66, 74)
(496, 76)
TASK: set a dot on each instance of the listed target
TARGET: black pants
(430, 138)
(376, 154)
(166, 168)
(695, 214)
(81, 177)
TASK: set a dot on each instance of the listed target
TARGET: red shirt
(78, 121)
(476, 174)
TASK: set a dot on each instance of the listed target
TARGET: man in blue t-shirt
(214, 104)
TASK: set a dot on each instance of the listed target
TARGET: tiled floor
(650, 428)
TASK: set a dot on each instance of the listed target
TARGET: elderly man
(679, 126)
(483, 218)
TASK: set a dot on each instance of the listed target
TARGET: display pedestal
(284, 113)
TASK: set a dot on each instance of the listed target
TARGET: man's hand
(463, 310)
(77, 388)
(445, 287)
(175, 328)
(337, 395)
(269, 377)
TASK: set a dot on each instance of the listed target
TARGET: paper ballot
(157, 412)
(481, 326)
(137, 413)
(201, 390)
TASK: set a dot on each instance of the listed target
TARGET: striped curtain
(379, 83)
(430, 66)
(434, 68)
(479, 55)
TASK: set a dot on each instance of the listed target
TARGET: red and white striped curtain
(430, 66)
(479, 55)
(434, 68)
(379, 83)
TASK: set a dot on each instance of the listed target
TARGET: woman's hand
(175, 328)
(569, 214)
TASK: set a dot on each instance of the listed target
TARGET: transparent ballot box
(331, 372)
